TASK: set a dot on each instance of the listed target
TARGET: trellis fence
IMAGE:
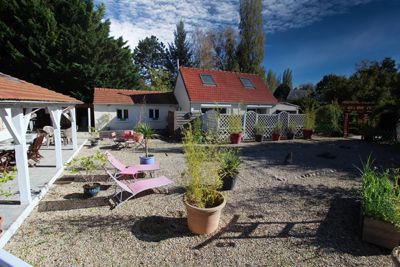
(219, 123)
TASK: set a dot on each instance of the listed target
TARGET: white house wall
(181, 94)
(136, 113)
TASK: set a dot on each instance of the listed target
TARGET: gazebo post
(55, 114)
(16, 125)
(89, 121)
(72, 112)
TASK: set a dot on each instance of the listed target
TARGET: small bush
(380, 194)
(328, 120)
(309, 120)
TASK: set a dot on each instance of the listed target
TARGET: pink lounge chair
(135, 187)
(131, 170)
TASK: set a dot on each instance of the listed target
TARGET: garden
(223, 204)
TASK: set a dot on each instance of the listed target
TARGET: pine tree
(272, 80)
(251, 47)
(180, 50)
(287, 78)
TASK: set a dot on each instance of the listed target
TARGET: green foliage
(309, 120)
(87, 165)
(198, 135)
(328, 120)
(287, 78)
(251, 46)
(147, 133)
(334, 88)
(292, 128)
(63, 45)
(202, 166)
(380, 197)
(282, 92)
(259, 128)
(278, 128)
(5, 176)
(272, 81)
(230, 163)
(149, 54)
(235, 123)
(160, 80)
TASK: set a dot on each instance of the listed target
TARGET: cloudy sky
(312, 37)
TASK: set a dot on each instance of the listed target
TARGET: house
(229, 92)
(122, 109)
(297, 94)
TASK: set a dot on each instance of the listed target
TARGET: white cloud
(134, 20)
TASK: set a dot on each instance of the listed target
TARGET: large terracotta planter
(236, 138)
(203, 220)
(396, 256)
(307, 134)
(380, 233)
(276, 137)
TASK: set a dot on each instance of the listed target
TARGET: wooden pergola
(363, 109)
(18, 100)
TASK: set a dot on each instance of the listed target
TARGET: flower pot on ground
(94, 136)
(229, 168)
(202, 200)
(277, 131)
(235, 129)
(291, 131)
(380, 202)
(148, 133)
(87, 167)
(309, 123)
(259, 131)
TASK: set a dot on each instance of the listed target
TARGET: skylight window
(207, 79)
(247, 83)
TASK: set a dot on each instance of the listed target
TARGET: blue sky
(312, 37)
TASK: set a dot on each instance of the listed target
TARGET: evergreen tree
(287, 78)
(272, 80)
(179, 50)
(251, 47)
(282, 92)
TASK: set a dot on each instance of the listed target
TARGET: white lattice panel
(249, 119)
(269, 121)
(298, 120)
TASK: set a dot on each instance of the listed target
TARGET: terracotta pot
(203, 220)
(396, 256)
(276, 137)
(380, 233)
(236, 138)
(307, 134)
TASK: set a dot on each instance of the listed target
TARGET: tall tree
(282, 92)
(272, 80)
(149, 54)
(287, 78)
(251, 47)
(179, 50)
(63, 45)
(203, 49)
(225, 47)
(334, 88)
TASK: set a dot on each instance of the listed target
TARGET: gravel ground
(301, 214)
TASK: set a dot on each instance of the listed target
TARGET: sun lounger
(131, 170)
(135, 187)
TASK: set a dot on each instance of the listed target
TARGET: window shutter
(151, 113)
(125, 113)
(157, 114)
(119, 114)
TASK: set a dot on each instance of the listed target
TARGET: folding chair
(131, 170)
(135, 187)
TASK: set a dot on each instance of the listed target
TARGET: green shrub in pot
(229, 168)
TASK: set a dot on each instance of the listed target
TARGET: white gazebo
(18, 100)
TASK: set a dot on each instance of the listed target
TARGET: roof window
(247, 83)
(207, 79)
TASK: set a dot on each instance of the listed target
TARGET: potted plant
(291, 131)
(147, 133)
(259, 130)
(277, 131)
(88, 165)
(94, 136)
(380, 201)
(235, 129)
(309, 123)
(5, 176)
(229, 168)
(202, 199)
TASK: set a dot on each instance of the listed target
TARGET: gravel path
(303, 214)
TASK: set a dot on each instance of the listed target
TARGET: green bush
(328, 120)
(309, 120)
(380, 194)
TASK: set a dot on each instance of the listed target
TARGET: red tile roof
(126, 96)
(14, 89)
(229, 88)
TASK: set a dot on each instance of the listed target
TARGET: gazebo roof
(13, 90)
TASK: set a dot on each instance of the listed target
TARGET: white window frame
(124, 112)
(154, 111)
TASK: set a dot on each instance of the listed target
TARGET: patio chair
(131, 170)
(50, 135)
(135, 187)
(33, 151)
(67, 136)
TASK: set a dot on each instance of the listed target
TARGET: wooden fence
(177, 119)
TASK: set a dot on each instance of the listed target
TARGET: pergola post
(16, 125)
(55, 114)
(89, 121)
(72, 112)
